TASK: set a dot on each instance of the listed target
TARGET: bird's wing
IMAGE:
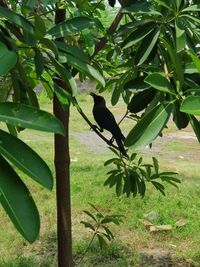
(106, 120)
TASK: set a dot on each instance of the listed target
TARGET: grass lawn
(177, 151)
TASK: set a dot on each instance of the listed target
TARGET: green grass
(87, 177)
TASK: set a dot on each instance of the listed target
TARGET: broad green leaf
(190, 68)
(89, 41)
(192, 8)
(49, 44)
(180, 118)
(178, 4)
(88, 225)
(17, 19)
(191, 105)
(62, 96)
(26, 159)
(66, 75)
(141, 100)
(146, 47)
(82, 66)
(29, 117)
(138, 35)
(29, 3)
(90, 215)
(72, 50)
(70, 27)
(196, 126)
(137, 84)
(159, 187)
(18, 203)
(143, 8)
(9, 59)
(40, 28)
(164, 4)
(141, 188)
(39, 62)
(102, 243)
(180, 36)
(155, 164)
(175, 59)
(119, 186)
(116, 93)
(159, 82)
(149, 127)
(195, 59)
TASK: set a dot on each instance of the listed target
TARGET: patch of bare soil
(186, 140)
(159, 257)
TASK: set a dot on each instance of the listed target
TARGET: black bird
(106, 120)
(112, 2)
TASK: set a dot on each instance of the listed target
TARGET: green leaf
(89, 41)
(138, 35)
(159, 187)
(39, 62)
(191, 105)
(146, 47)
(49, 44)
(109, 233)
(119, 186)
(72, 50)
(180, 118)
(176, 60)
(17, 19)
(66, 75)
(141, 100)
(40, 28)
(192, 8)
(26, 159)
(88, 225)
(83, 66)
(102, 243)
(116, 94)
(111, 181)
(62, 96)
(149, 127)
(137, 84)
(9, 59)
(133, 176)
(195, 59)
(18, 203)
(196, 126)
(158, 81)
(90, 215)
(180, 36)
(111, 161)
(155, 164)
(29, 117)
(70, 27)
(141, 188)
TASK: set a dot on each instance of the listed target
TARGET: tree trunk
(62, 167)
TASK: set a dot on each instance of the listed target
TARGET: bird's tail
(121, 146)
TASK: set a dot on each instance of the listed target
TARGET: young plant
(98, 225)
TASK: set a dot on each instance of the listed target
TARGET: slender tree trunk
(62, 167)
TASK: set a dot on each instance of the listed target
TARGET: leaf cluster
(130, 176)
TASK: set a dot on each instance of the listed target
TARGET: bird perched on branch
(106, 120)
